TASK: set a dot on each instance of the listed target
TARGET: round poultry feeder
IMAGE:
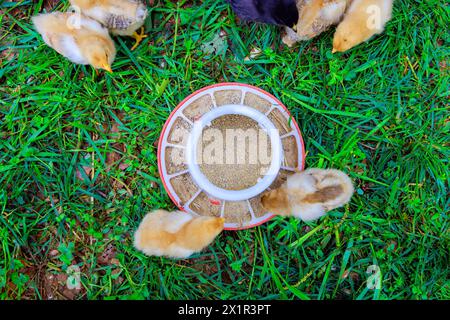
(196, 178)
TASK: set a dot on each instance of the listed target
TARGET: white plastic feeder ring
(222, 189)
(234, 195)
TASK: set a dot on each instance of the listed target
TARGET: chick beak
(334, 50)
(107, 67)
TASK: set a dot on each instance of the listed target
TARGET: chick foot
(138, 37)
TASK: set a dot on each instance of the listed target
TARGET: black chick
(279, 12)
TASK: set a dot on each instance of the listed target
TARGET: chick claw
(138, 37)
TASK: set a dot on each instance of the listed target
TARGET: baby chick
(315, 17)
(176, 234)
(279, 12)
(78, 38)
(364, 19)
(121, 17)
(310, 194)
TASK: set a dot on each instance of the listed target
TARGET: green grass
(379, 112)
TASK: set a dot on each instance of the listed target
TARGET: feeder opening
(234, 152)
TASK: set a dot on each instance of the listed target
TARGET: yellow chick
(78, 38)
(315, 17)
(121, 17)
(364, 19)
(176, 234)
(310, 194)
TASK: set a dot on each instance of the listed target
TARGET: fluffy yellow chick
(310, 194)
(315, 17)
(121, 17)
(364, 19)
(176, 234)
(78, 38)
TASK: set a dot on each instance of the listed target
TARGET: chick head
(344, 39)
(201, 231)
(100, 55)
(276, 202)
(214, 225)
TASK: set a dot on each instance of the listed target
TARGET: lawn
(78, 166)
